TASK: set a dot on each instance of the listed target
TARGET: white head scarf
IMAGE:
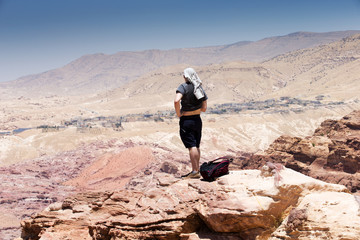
(191, 76)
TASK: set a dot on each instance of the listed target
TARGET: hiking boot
(191, 175)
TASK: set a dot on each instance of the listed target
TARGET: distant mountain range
(96, 73)
(330, 71)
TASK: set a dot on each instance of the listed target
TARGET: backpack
(215, 168)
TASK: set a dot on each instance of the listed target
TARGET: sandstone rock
(329, 215)
(242, 204)
(296, 218)
(31, 186)
(166, 179)
(113, 171)
(332, 154)
(170, 168)
(55, 206)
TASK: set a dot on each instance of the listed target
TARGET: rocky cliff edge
(246, 204)
(266, 201)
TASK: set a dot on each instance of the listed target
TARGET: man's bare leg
(194, 153)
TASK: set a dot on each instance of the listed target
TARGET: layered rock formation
(30, 186)
(242, 205)
(332, 154)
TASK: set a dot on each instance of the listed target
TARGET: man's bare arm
(204, 106)
(177, 104)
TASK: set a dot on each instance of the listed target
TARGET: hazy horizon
(41, 35)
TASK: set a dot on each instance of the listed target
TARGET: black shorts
(190, 130)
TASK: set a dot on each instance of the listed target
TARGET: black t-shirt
(189, 102)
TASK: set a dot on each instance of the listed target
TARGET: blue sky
(39, 35)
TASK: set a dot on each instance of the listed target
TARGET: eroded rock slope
(331, 154)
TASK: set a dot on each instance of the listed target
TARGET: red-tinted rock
(332, 154)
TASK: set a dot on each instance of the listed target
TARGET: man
(193, 100)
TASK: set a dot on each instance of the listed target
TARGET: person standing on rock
(190, 101)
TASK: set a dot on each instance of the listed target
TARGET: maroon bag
(215, 168)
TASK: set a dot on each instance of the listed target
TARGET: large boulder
(243, 204)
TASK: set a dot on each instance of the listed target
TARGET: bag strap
(227, 158)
